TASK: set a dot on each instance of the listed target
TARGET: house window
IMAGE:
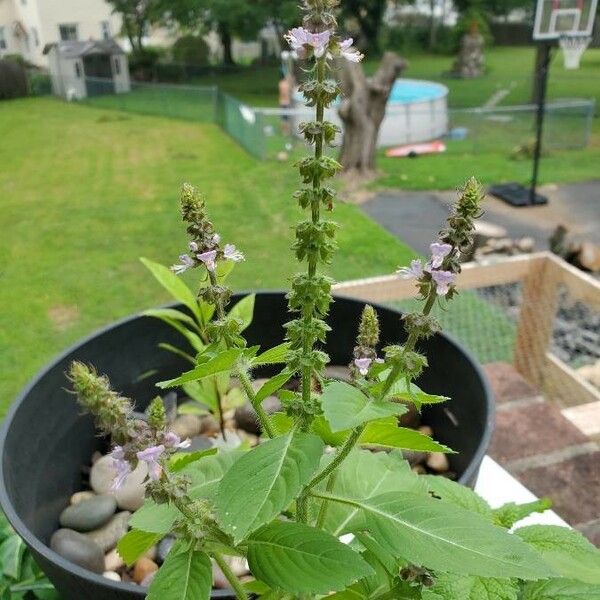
(105, 29)
(77, 70)
(68, 32)
(117, 66)
(3, 44)
(36, 37)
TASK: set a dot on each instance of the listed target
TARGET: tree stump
(470, 61)
(363, 109)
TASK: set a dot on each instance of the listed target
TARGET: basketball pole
(542, 86)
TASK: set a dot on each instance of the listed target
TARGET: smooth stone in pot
(88, 514)
(107, 536)
(78, 549)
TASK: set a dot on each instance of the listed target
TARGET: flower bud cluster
(365, 351)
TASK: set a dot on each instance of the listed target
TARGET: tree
(369, 18)
(282, 14)
(363, 109)
(137, 16)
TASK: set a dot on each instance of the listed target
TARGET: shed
(92, 68)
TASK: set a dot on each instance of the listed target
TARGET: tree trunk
(363, 109)
(227, 43)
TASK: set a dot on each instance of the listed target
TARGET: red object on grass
(410, 150)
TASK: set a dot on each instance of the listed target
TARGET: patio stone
(507, 384)
(532, 430)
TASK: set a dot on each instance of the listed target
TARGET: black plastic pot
(45, 439)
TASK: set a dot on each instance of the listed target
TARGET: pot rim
(38, 546)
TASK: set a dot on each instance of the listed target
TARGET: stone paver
(507, 384)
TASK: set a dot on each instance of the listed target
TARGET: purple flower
(186, 262)
(122, 468)
(362, 364)
(438, 254)
(443, 281)
(172, 440)
(231, 253)
(299, 38)
(208, 258)
(351, 55)
(150, 456)
(193, 247)
(415, 271)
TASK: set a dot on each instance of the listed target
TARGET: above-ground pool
(417, 112)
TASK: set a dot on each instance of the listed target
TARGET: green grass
(85, 192)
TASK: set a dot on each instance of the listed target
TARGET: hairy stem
(325, 505)
(234, 582)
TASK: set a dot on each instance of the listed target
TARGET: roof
(77, 49)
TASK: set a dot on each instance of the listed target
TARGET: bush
(467, 21)
(191, 50)
(40, 83)
(142, 63)
(13, 80)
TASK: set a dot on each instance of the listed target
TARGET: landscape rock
(209, 425)
(113, 561)
(187, 426)
(413, 457)
(107, 536)
(142, 568)
(438, 462)
(90, 514)
(238, 565)
(163, 548)
(102, 475)
(245, 416)
(78, 497)
(78, 549)
(130, 496)
(412, 418)
(112, 575)
(199, 442)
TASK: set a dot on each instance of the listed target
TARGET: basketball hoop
(573, 47)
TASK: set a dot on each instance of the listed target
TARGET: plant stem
(325, 505)
(236, 584)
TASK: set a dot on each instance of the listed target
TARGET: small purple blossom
(230, 252)
(299, 38)
(121, 466)
(208, 258)
(443, 281)
(351, 55)
(362, 364)
(439, 253)
(186, 262)
(415, 271)
(150, 456)
(193, 247)
(172, 440)
(216, 239)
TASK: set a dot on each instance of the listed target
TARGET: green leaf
(301, 559)
(244, 310)
(177, 351)
(181, 460)
(387, 434)
(11, 556)
(154, 518)
(400, 391)
(173, 284)
(274, 384)
(364, 475)
(170, 314)
(222, 362)
(135, 543)
(322, 428)
(205, 475)
(566, 550)
(346, 407)
(265, 481)
(436, 535)
(184, 576)
(511, 513)
(454, 587)
(273, 356)
(560, 589)
(459, 495)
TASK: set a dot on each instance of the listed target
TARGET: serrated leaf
(459, 495)
(135, 543)
(154, 518)
(205, 475)
(181, 460)
(387, 434)
(274, 384)
(301, 559)
(220, 363)
(170, 314)
(364, 475)
(436, 535)
(265, 481)
(11, 556)
(400, 391)
(455, 587)
(511, 513)
(566, 550)
(244, 310)
(273, 356)
(560, 589)
(184, 576)
(173, 284)
(346, 407)
(193, 338)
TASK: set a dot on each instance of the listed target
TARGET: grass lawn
(85, 192)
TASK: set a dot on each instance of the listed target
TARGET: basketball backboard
(557, 18)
